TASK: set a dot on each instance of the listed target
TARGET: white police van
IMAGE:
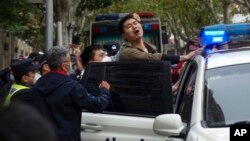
(213, 94)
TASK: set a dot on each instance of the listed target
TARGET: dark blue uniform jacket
(61, 99)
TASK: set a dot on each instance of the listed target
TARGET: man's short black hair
(123, 20)
(88, 53)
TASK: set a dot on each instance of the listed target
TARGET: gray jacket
(128, 53)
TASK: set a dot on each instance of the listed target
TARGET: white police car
(213, 94)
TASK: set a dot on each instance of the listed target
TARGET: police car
(213, 95)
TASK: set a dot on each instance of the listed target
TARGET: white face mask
(106, 59)
(70, 70)
(37, 76)
(12, 77)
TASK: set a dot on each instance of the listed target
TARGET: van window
(137, 88)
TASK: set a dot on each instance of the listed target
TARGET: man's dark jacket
(61, 99)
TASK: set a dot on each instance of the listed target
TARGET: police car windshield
(227, 94)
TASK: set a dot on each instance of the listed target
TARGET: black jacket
(61, 99)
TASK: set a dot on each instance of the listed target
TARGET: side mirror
(168, 125)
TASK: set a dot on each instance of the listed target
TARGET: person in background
(192, 45)
(6, 80)
(24, 75)
(136, 49)
(44, 69)
(77, 67)
(93, 53)
(5, 83)
(21, 122)
(60, 98)
(112, 49)
(35, 56)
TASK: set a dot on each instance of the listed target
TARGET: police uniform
(20, 91)
(5, 84)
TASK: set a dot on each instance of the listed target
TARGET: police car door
(140, 91)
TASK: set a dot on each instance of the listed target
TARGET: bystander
(61, 99)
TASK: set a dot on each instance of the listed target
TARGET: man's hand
(77, 51)
(191, 54)
(175, 86)
(104, 84)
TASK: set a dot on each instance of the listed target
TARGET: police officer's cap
(111, 47)
(21, 67)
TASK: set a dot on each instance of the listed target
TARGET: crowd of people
(46, 83)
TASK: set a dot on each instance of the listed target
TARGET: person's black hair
(88, 53)
(123, 20)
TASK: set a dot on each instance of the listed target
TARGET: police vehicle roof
(228, 57)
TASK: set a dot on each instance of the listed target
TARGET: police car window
(185, 106)
(227, 95)
(137, 88)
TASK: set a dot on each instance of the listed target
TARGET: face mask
(70, 69)
(106, 59)
(37, 76)
(12, 77)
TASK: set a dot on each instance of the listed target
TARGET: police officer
(24, 73)
(5, 83)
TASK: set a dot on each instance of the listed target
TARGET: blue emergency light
(238, 29)
(103, 17)
(103, 29)
(116, 16)
(213, 34)
(223, 33)
(150, 26)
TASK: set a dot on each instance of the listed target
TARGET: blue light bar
(238, 29)
(103, 17)
(214, 32)
(147, 26)
(151, 26)
(221, 33)
(103, 29)
(208, 37)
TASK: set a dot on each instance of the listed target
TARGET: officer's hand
(104, 84)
